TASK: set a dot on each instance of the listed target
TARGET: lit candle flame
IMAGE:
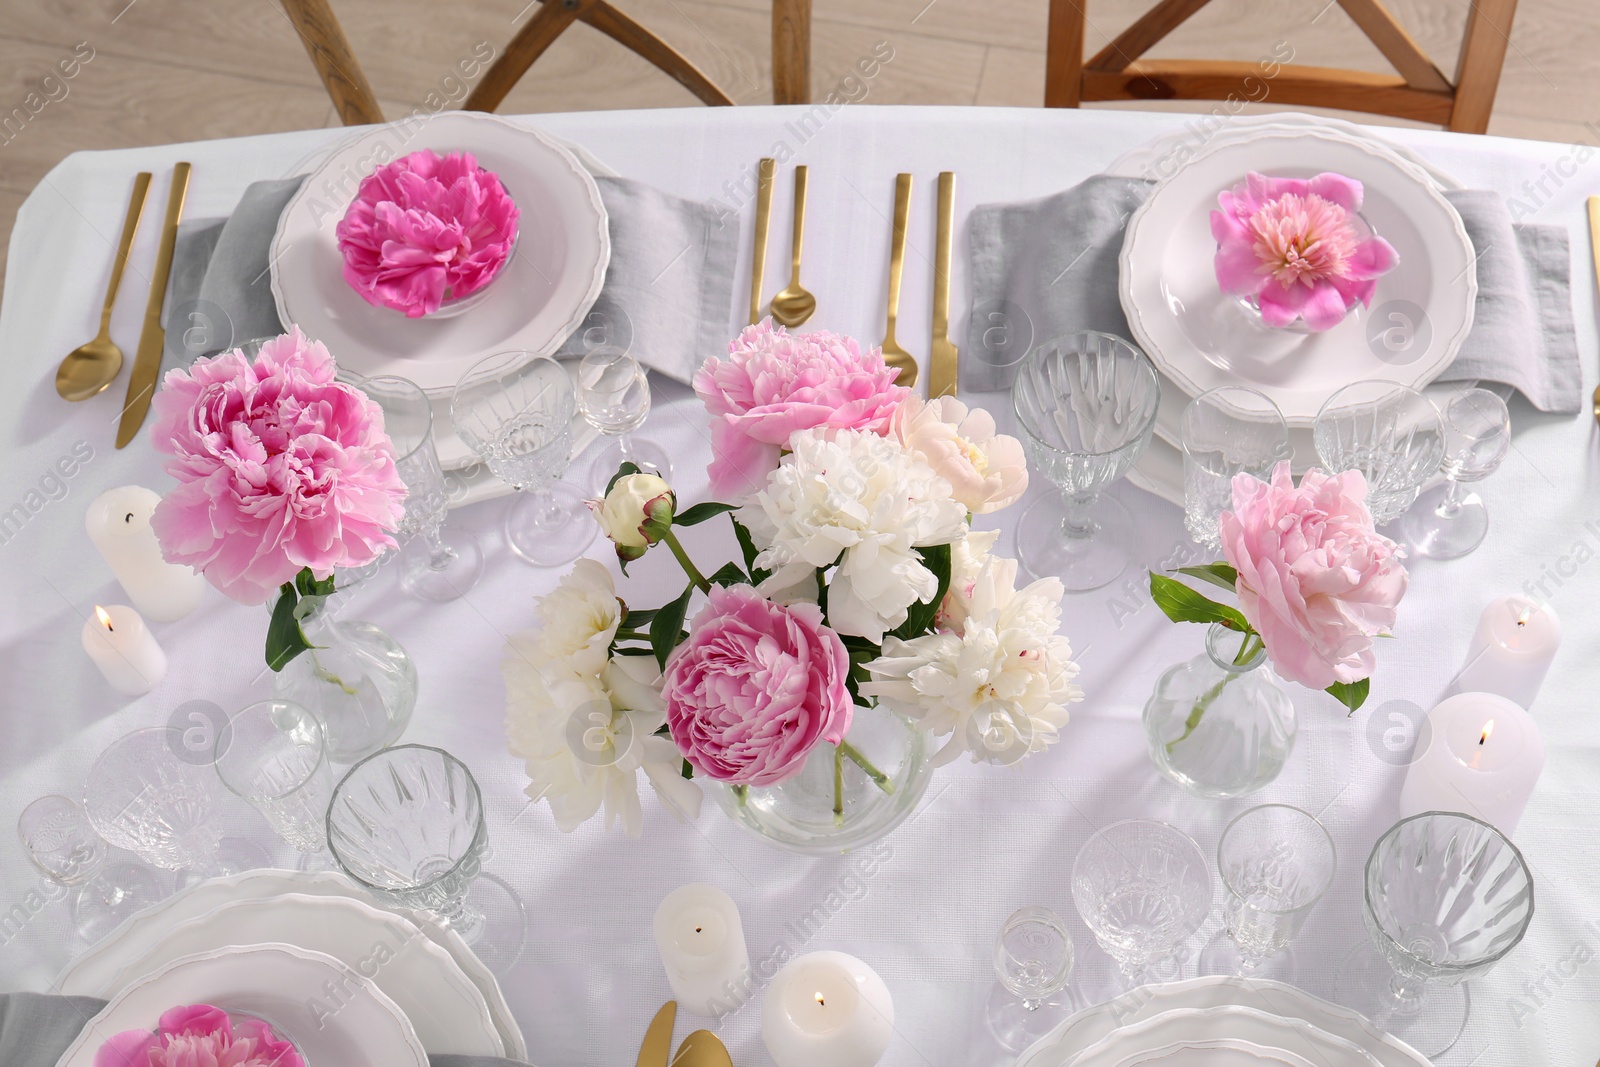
(820, 1001)
(1488, 728)
(1522, 620)
(105, 619)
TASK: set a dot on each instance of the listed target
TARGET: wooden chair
(352, 96)
(1418, 90)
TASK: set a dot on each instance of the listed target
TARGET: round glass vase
(833, 806)
(356, 679)
(1221, 725)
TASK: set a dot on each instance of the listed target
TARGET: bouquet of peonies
(860, 582)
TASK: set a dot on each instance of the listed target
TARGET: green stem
(838, 787)
(631, 635)
(686, 563)
(879, 779)
(1247, 649)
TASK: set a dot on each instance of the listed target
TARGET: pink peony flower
(280, 467)
(1293, 245)
(986, 470)
(423, 230)
(755, 687)
(199, 1036)
(774, 383)
(1315, 579)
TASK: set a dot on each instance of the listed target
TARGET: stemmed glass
(1087, 405)
(516, 413)
(614, 397)
(1447, 896)
(142, 795)
(272, 754)
(1224, 432)
(1447, 523)
(1143, 888)
(64, 847)
(1276, 862)
(1033, 958)
(1391, 433)
(439, 561)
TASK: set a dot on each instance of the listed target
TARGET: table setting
(466, 475)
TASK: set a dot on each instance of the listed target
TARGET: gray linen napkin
(36, 1029)
(665, 295)
(1047, 267)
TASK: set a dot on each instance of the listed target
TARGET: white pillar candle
(1511, 650)
(119, 525)
(122, 646)
(827, 1009)
(1482, 755)
(702, 947)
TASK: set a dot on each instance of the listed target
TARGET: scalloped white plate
(1172, 1032)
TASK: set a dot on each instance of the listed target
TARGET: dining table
(924, 905)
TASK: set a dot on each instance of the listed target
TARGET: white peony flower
(987, 470)
(853, 492)
(1004, 661)
(585, 724)
(636, 513)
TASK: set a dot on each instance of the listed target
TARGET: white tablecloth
(924, 906)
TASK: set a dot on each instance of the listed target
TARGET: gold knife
(147, 363)
(703, 1049)
(942, 356)
(1594, 248)
(657, 1046)
(758, 266)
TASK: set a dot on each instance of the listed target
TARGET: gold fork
(893, 354)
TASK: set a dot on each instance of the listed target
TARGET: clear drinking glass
(439, 561)
(1224, 432)
(1033, 958)
(65, 848)
(1275, 862)
(1142, 888)
(273, 755)
(1448, 523)
(1391, 433)
(614, 397)
(1447, 896)
(516, 414)
(145, 794)
(1087, 406)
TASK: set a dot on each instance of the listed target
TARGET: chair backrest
(1418, 90)
(352, 96)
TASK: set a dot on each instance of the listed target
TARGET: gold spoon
(88, 370)
(794, 305)
(702, 1049)
(893, 354)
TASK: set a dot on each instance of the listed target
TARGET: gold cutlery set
(700, 1049)
(86, 371)
(793, 305)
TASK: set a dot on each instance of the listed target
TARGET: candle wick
(128, 517)
(698, 930)
(1482, 739)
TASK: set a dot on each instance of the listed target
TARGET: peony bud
(636, 513)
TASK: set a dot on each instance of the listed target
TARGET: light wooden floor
(178, 70)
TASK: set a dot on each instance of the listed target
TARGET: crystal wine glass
(1143, 888)
(1276, 862)
(516, 414)
(1033, 958)
(1087, 405)
(1447, 896)
(145, 794)
(65, 848)
(1224, 432)
(439, 561)
(1447, 523)
(614, 397)
(1391, 433)
(273, 755)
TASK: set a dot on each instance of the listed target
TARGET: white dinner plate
(447, 1011)
(541, 296)
(1187, 1026)
(99, 965)
(361, 1028)
(1214, 1052)
(1090, 1025)
(1201, 338)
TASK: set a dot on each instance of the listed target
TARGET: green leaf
(919, 618)
(688, 770)
(748, 547)
(701, 512)
(284, 639)
(1221, 574)
(665, 627)
(1351, 694)
(622, 472)
(630, 650)
(729, 574)
(1182, 604)
(637, 617)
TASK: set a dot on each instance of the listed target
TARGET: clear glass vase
(358, 682)
(834, 804)
(1220, 725)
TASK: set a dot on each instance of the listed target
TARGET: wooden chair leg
(336, 65)
(1063, 64)
(1483, 55)
(791, 51)
(538, 34)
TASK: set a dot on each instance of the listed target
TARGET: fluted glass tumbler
(148, 795)
(1226, 432)
(273, 755)
(1391, 433)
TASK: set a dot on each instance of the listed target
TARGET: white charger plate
(140, 933)
(1215, 1052)
(543, 292)
(447, 1011)
(1188, 1026)
(279, 982)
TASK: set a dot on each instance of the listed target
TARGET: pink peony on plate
(200, 1035)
